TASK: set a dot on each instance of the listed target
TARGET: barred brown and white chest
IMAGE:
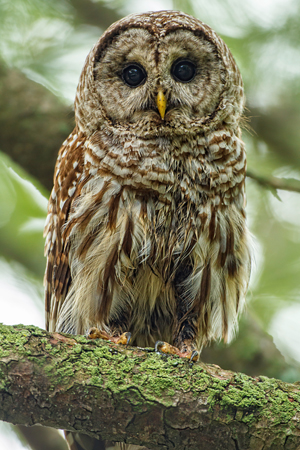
(150, 221)
(146, 228)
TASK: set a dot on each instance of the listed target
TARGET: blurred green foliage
(23, 203)
(48, 42)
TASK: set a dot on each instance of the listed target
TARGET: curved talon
(128, 338)
(158, 345)
(94, 333)
(123, 339)
(194, 356)
(91, 333)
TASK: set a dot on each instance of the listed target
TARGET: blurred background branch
(285, 184)
(33, 124)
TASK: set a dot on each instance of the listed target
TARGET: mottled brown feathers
(146, 227)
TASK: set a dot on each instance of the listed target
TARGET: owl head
(158, 74)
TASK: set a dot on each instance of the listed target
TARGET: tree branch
(136, 396)
(286, 184)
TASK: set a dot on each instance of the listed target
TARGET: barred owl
(146, 233)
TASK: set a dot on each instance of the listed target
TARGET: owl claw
(194, 356)
(123, 339)
(95, 333)
(128, 338)
(158, 346)
(164, 347)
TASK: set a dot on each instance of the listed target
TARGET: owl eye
(134, 75)
(183, 71)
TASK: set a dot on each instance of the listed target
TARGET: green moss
(54, 350)
(4, 353)
(66, 371)
(77, 348)
(96, 381)
(139, 379)
(137, 376)
(82, 339)
(3, 383)
(245, 397)
(35, 331)
(10, 335)
(248, 419)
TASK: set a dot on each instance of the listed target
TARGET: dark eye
(134, 75)
(183, 71)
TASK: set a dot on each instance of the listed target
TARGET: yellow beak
(161, 103)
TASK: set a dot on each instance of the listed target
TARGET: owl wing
(68, 171)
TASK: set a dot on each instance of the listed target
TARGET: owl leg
(186, 328)
(184, 338)
(95, 333)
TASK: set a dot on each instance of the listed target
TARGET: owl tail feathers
(78, 441)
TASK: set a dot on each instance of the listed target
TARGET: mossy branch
(137, 396)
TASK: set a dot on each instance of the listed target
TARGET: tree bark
(137, 396)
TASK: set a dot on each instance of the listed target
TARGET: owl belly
(141, 265)
(148, 311)
(142, 293)
(118, 268)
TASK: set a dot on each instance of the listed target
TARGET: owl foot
(123, 339)
(95, 333)
(164, 347)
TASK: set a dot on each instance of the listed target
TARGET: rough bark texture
(137, 396)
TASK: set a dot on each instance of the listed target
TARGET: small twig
(285, 184)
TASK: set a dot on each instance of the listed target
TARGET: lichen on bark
(137, 396)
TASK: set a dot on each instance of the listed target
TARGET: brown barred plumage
(146, 226)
